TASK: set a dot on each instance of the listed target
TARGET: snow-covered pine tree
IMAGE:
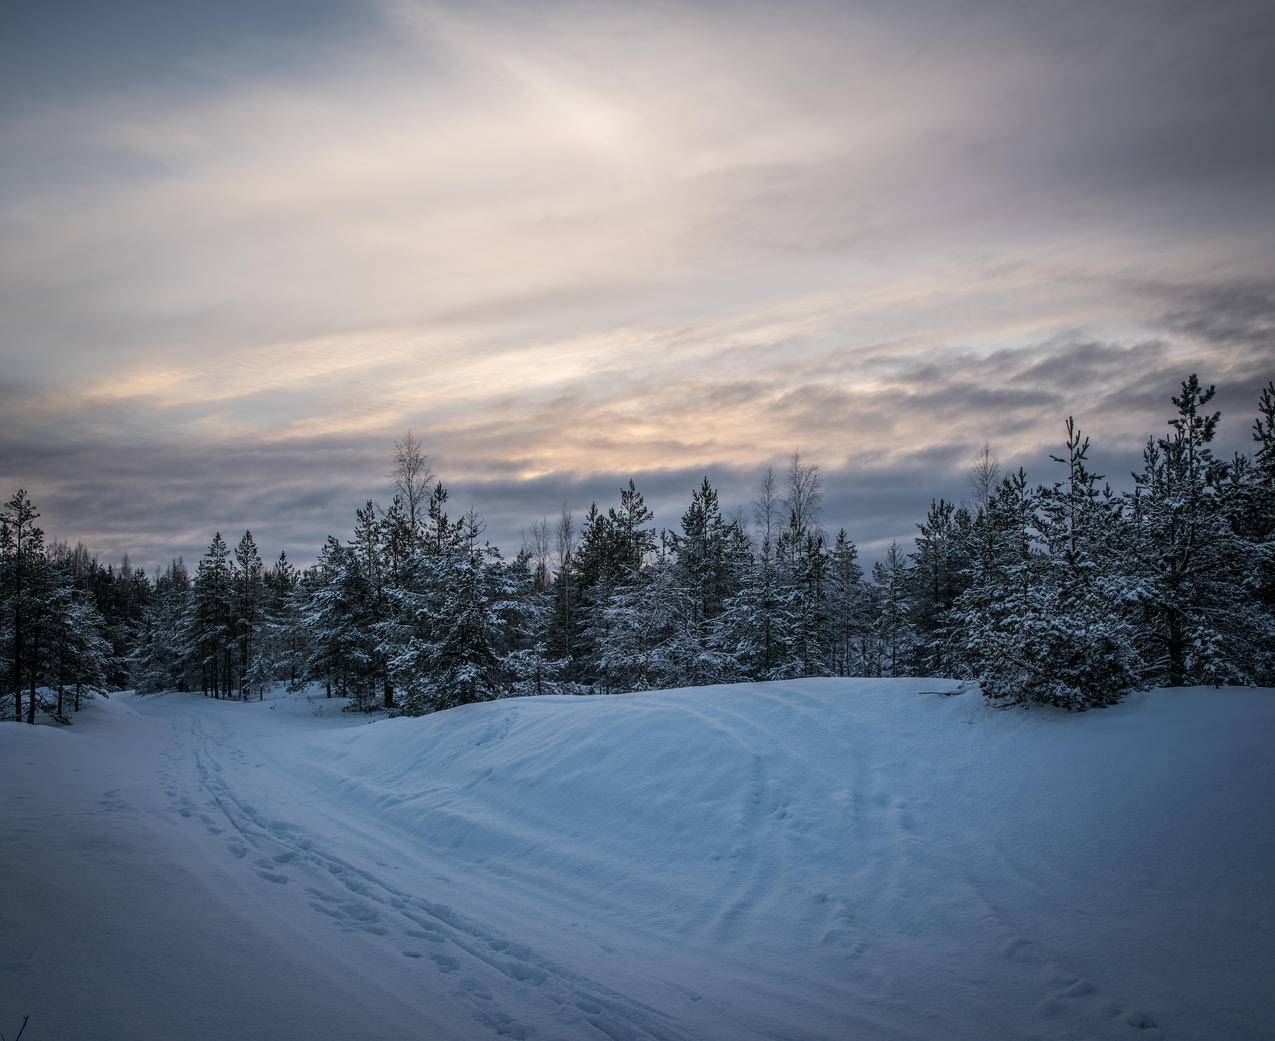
(633, 537)
(1249, 501)
(465, 664)
(632, 627)
(711, 557)
(755, 626)
(282, 655)
(935, 583)
(326, 597)
(997, 614)
(892, 620)
(809, 650)
(246, 581)
(161, 658)
(611, 551)
(1084, 641)
(210, 630)
(804, 633)
(529, 664)
(370, 601)
(415, 622)
(21, 554)
(84, 658)
(1195, 574)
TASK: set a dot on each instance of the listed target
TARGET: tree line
(1065, 593)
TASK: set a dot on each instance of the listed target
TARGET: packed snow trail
(807, 860)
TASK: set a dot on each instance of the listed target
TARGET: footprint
(445, 962)
(421, 934)
(1023, 950)
(1135, 1017)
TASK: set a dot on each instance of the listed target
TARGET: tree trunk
(17, 628)
(77, 695)
(389, 693)
(1177, 655)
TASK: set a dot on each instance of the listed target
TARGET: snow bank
(906, 848)
(807, 860)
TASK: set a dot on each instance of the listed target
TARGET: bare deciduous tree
(536, 545)
(983, 476)
(411, 474)
(566, 539)
(765, 508)
(804, 497)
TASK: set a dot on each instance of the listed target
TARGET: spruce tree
(211, 630)
(1195, 573)
(160, 660)
(892, 618)
(935, 583)
(846, 605)
(247, 578)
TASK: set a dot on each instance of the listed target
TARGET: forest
(1065, 592)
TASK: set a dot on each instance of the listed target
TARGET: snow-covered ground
(808, 860)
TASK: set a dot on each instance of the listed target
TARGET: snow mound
(810, 861)
(899, 847)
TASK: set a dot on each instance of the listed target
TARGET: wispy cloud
(588, 240)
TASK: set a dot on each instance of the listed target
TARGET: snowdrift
(807, 860)
(906, 849)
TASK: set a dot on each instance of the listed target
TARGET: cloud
(605, 239)
(1231, 314)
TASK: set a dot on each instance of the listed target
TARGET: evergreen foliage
(1065, 594)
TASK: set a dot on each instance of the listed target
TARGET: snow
(821, 859)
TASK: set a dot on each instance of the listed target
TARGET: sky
(244, 246)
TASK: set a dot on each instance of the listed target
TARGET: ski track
(483, 962)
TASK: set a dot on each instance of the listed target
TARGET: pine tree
(529, 664)
(21, 555)
(892, 618)
(84, 658)
(210, 632)
(999, 611)
(611, 551)
(1194, 572)
(465, 664)
(281, 653)
(656, 635)
(711, 561)
(754, 628)
(371, 606)
(935, 583)
(327, 607)
(246, 579)
(846, 596)
(160, 659)
(1085, 640)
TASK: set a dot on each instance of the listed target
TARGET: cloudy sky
(244, 245)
